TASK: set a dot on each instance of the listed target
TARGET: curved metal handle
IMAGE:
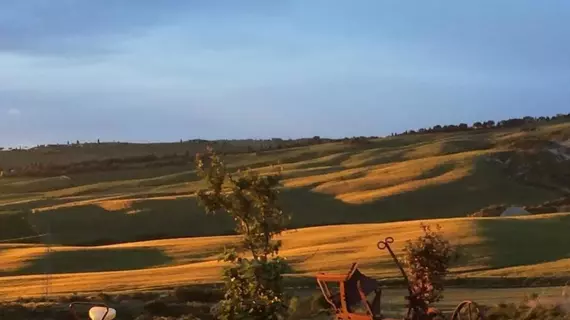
(384, 244)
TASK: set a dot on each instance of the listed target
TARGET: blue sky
(146, 70)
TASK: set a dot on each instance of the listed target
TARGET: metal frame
(342, 309)
(417, 309)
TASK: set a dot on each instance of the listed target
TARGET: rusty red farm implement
(354, 290)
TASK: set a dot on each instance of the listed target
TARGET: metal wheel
(467, 310)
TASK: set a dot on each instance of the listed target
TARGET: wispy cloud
(14, 112)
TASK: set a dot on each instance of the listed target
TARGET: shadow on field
(525, 241)
(147, 219)
(94, 260)
(144, 220)
(377, 157)
(466, 144)
(486, 185)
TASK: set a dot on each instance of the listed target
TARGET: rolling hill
(491, 249)
(409, 177)
(119, 216)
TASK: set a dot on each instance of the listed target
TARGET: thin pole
(47, 260)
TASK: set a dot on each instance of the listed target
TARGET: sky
(147, 70)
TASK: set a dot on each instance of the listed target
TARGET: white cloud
(14, 112)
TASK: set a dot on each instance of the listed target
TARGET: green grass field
(127, 228)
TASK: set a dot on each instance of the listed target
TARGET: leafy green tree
(253, 283)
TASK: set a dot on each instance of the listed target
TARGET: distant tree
(489, 124)
(478, 125)
(98, 141)
(463, 126)
(511, 123)
(529, 119)
(449, 128)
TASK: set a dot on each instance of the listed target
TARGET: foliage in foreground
(427, 260)
(253, 285)
(531, 308)
(193, 303)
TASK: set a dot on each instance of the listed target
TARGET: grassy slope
(391, 179)
(492, 249)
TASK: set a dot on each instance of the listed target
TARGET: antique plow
(355, 287)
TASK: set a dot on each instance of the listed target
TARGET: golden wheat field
(137, 226)
(492, 249)
(384, 180)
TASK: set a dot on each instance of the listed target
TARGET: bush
(494, 210)
(427, 260)
(193, 294)
(105, 297)
(529, 309)
(156, 308)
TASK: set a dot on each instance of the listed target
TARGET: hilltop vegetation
(150, 194)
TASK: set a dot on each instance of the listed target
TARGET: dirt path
(393, 299)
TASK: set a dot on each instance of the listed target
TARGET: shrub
(529, 309)
(105, 297)
(427, 260)
(192, 294)
(156, 308)
(494, 210)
